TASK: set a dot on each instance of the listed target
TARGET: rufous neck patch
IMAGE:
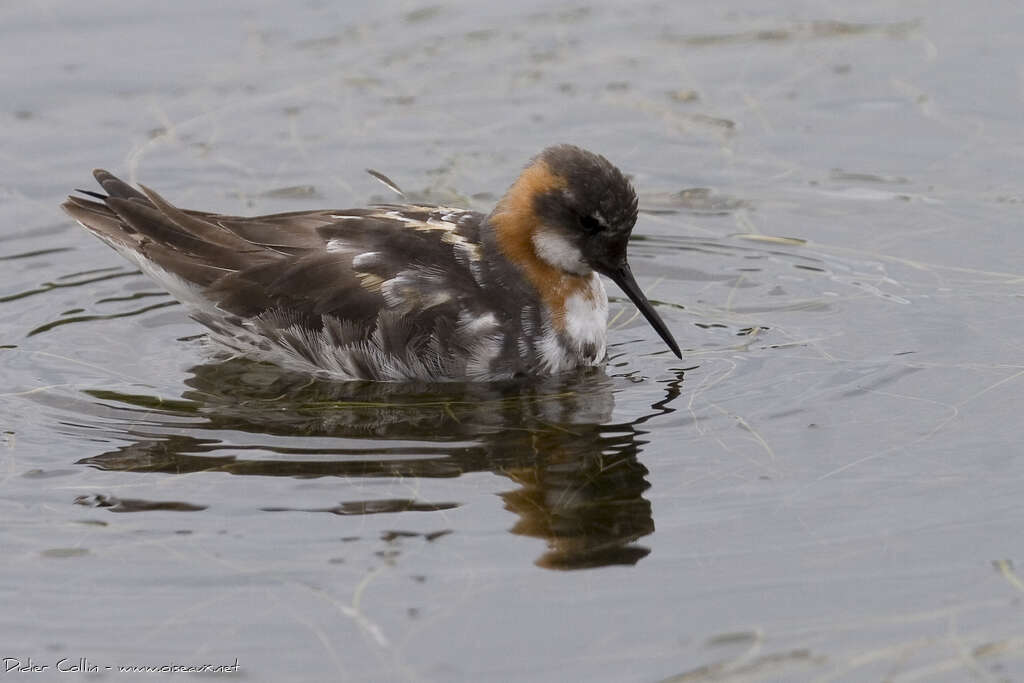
(515, 222)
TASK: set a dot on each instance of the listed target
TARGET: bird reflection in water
(580, 484)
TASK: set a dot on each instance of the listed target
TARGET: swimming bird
(398, 292)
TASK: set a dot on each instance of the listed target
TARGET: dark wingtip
(115, 187)
(95, 195)
(73, 203)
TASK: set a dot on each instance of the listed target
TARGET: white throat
(583, 339)
(557, 251)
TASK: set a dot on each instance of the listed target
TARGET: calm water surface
(826, 488)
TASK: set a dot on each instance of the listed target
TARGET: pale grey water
(830, 491)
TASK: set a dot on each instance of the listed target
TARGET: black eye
(590, 224)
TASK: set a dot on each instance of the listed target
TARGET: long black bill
(623, 277)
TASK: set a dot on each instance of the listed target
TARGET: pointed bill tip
(623, 277)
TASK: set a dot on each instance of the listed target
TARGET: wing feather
(299, 265)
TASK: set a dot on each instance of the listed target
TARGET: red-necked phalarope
(399, 292)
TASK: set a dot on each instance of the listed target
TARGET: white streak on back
(363, 260)
(337, 245)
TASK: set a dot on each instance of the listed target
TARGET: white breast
(586, 328)
(586, 317)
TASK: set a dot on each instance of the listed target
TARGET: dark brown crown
(595, 194)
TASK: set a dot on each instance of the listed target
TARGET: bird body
(398, 292)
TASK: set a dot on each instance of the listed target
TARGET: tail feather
(151, 222)
(115, 187)
(99, 219)
(209, 232)
(147, 229)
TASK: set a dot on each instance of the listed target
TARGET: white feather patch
(552, 352)
(586, 325)
(477, 326)
(586, 317)
(337, 245)
(556, 250)
(367, 258)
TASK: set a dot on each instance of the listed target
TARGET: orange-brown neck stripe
(516, 222)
